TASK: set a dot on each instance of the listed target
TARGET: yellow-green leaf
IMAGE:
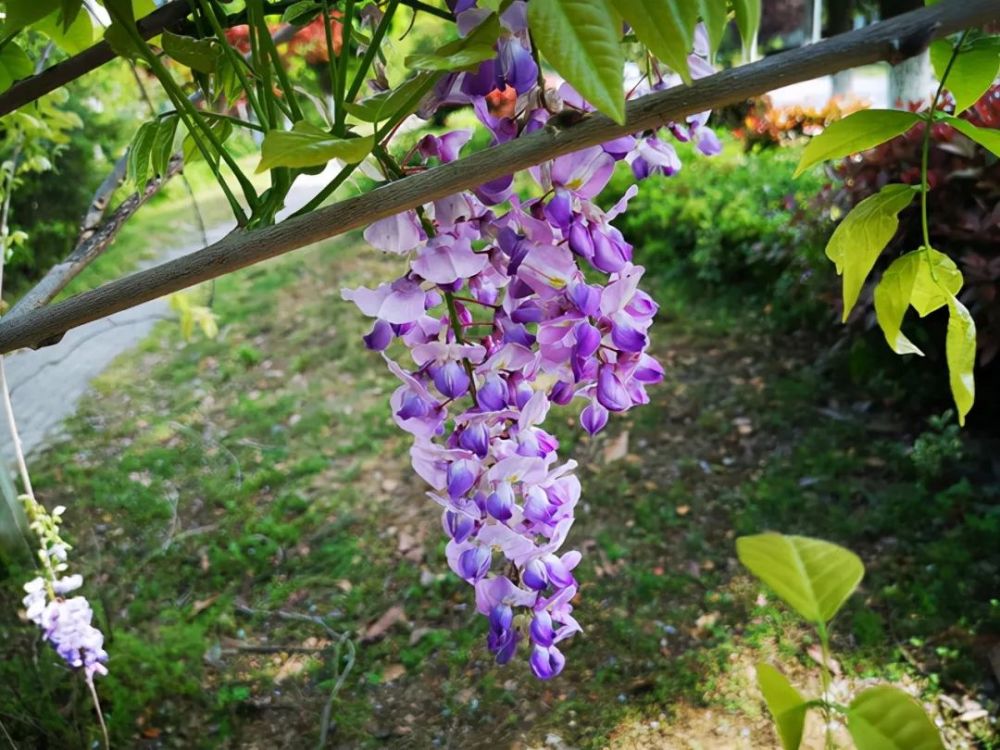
(137, 164)
(715, 16)
(462, 54)
(960, 349)
(785, 703)
(937, 281)
(988, 138)
(812, 576)
(388, 104)
(163, 144)
(21, 13)
(201, 55)
(856, 132)
(73, 39)
(306, 145)
(581, 39)
(14, 65)
(189, 147)
(747, 20)
(665, 27)
(862, 236)
(886, 718)
(892, 298)
(973, 72)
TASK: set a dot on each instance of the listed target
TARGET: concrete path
(46, 385)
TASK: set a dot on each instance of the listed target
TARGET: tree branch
(95, 237)
(34, 87)
(95, 243)
(168, 17)
(875, 43)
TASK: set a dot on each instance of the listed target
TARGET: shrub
(736, 226)
(760, 125)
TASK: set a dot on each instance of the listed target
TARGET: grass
(243, 507)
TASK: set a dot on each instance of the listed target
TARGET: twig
(243, 248)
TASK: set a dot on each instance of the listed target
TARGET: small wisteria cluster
(501, 322)
(65, 622)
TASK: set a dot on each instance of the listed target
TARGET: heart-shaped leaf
(886, 718)
(892, 299)
(973, 71)
(960, 351)
(812, 576)
(862, 236)
(988, 138)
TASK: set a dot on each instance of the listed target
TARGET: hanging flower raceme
(65, 622)
(506, 307)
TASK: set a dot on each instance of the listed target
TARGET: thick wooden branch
(93, 244)
(34, 87)
(881, 41)
(96, 234)
(168, 17)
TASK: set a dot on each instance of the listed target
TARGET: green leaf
(785, 703)
(198, 54)
(715, 16)
(387, 104)
(137, 164)
(301, 13)
(73, 40)
(21, 13)
(463, 54)
(857, 132)
(886, 718)
(960, 349)
(580, 38)
(163, 144)
(892, 298)
(129, 10)
(973, 72)
(812, 576)
(936, 282)
(747, 19)
(14, 65)
(189, 147)
(306, 145)
(861, 237)
(665, 27)
(988, 138)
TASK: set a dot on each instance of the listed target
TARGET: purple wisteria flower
(509, 305)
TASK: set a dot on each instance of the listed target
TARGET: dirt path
(46, 385)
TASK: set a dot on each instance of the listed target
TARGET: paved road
(46, 385)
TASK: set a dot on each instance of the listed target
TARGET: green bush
(737, 227)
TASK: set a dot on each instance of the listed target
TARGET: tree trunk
(840, 20)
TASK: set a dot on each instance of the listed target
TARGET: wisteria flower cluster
(65, 622)
(502, 318)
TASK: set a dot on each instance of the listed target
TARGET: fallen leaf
(617, 449)
(380, 627)
(201, 605)
(393, 672)
(293, 666)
